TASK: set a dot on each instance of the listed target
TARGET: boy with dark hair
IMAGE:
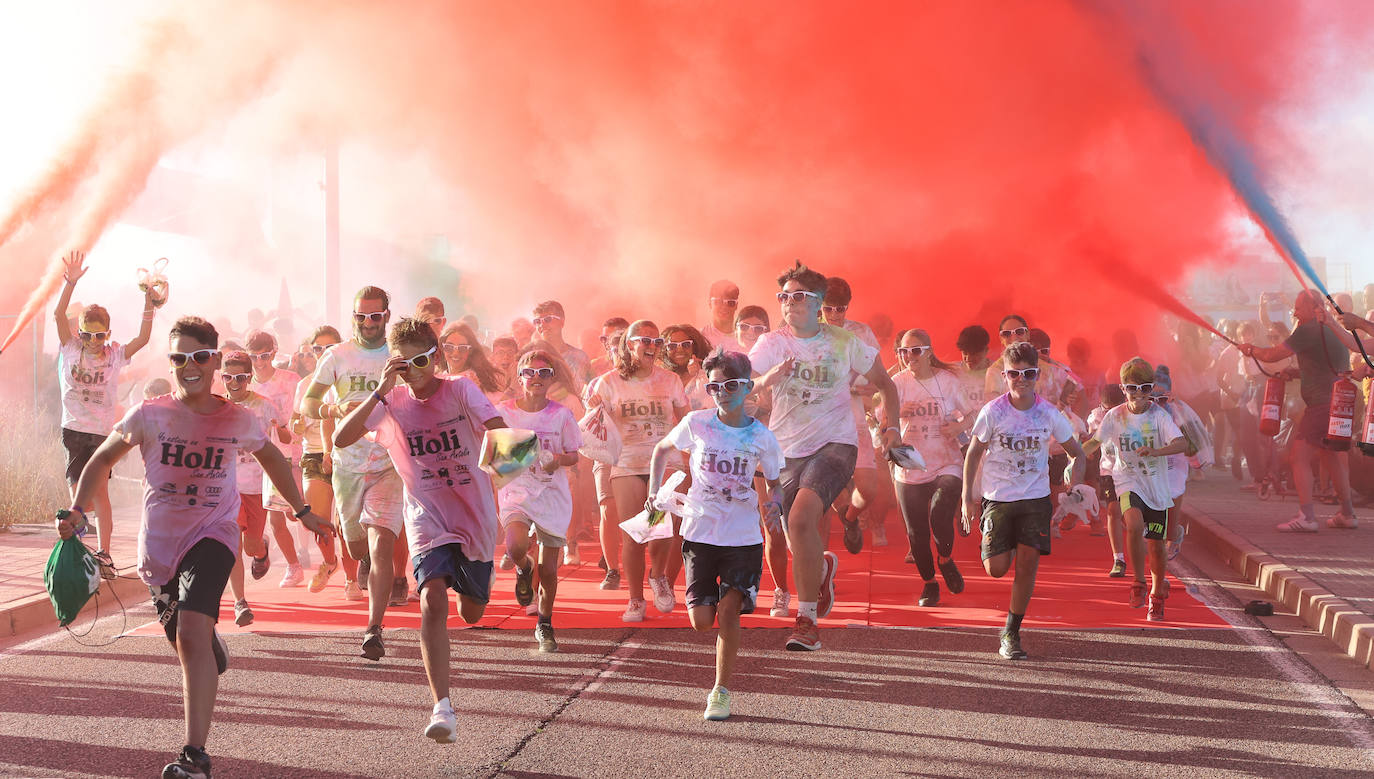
(548, 327)
(1015, 431)
(433, 430)
(279, 388)
(723, 302)
(807, 366)
(190, 441)
(722, 546)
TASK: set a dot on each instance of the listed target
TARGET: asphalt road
(627, 702)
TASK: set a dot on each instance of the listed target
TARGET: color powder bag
(600, 437)
(506, 452)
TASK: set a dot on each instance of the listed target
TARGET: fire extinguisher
(1340, 426)
(1367, 439)
(1272, 408)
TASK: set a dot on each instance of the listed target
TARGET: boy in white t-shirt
(1137, 437)
(432, 430)
(188, 540)
(1015, 431)
(88, 366)
(808, 365)
(722, 546)
(279, 386)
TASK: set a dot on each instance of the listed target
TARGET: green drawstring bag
(72, 577)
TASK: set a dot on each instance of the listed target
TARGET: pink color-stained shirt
(434, 444)
(189, 489)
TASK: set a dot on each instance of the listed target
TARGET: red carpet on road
(874, 588)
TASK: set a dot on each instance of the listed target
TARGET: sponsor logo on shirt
(178, 456)
(735, 466)
(653, 408)
(1027, 443)
(447, 441)
(1129, 443)
(929, 408)
(361, 383)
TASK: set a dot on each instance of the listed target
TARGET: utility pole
(331, 234)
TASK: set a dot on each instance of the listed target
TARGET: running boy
(433, 429)
(189, 538)
(1015, 431)
(722, 546)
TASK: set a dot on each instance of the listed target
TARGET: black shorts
(198, 584)
(1016, 523)
(713, 571)
(1058, 462)
(1312, 426)
(1106, 489)
(312, 468)
(1156, 520)
(80, 447)
(467, 577)
(825, 472)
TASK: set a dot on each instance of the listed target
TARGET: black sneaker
(221, 651)
(1011, 647)
(930, 595)
(612, 580)
(1118, 569)
(524, 584)
(853, 535)
(953, 579)
(262, 564)
(192, 763)
(372, 643)
(543, 633)
(364, 568)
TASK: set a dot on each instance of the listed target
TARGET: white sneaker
(717, 705)
(634, 612)
(294, 576)
(782, 603)
(443, 725)
(506, 562)
(664, 600)
(1298, 524)
(571, 555)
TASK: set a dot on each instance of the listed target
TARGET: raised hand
(74, 266)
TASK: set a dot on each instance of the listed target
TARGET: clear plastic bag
(156, 281)
(600, 437)
(649, 526)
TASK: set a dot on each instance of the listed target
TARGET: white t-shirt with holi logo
(435, 444)
(250, 478)
(1016, 466)
(719, 338)
(1121, 433)
(925, 406)
(89, 385)
(544, 497)
(722, 505)
(973, 383)
(643, 410)
(811, 407)
(281, 390)
(189, 491)
(354, 372)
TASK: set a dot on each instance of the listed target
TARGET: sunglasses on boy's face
(834, 309)
(537, 373)
(912, 352)
(423, 359)
(1145, 388)
(796, 297)
(200, 356)
(760, 329)
(262, 356)
(236, 377)
(87, 335)
(1029, 374)
(726, 387)
(1019, 332)
(375, 316)
(646, 340)
(1160, 398)
(320, 349)
(729, 302)
(1044, 351)
(547, 319)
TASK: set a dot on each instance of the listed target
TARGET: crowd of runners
(364, 449)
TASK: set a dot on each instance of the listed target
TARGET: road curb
(1346, 626)
(36, 612)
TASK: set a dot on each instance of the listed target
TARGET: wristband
(305, 509)
(379, 398)
(892, 428)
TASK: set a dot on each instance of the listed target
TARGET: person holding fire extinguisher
(1327, 424)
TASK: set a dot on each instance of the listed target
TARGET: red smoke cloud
(955, 161)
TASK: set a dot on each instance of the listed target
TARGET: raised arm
(74, 269)
(145, 328)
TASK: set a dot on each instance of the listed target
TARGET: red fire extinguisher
(1367, 438)
(1340, 426)
(1272, 408)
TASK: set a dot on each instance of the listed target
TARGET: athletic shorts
(714, 570)
(825, 472)
(1312, 426)
(197, 585)
(273, 500)
(252, 515)
(447, 561)
(312, 467)
(80, 446)
(1106, 489)
(1156, 520)
(1058, 462)
(368, 499)
(545, 537)
(1007, 525)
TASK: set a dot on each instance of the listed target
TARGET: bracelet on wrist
(379, 398)
(305, 509)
